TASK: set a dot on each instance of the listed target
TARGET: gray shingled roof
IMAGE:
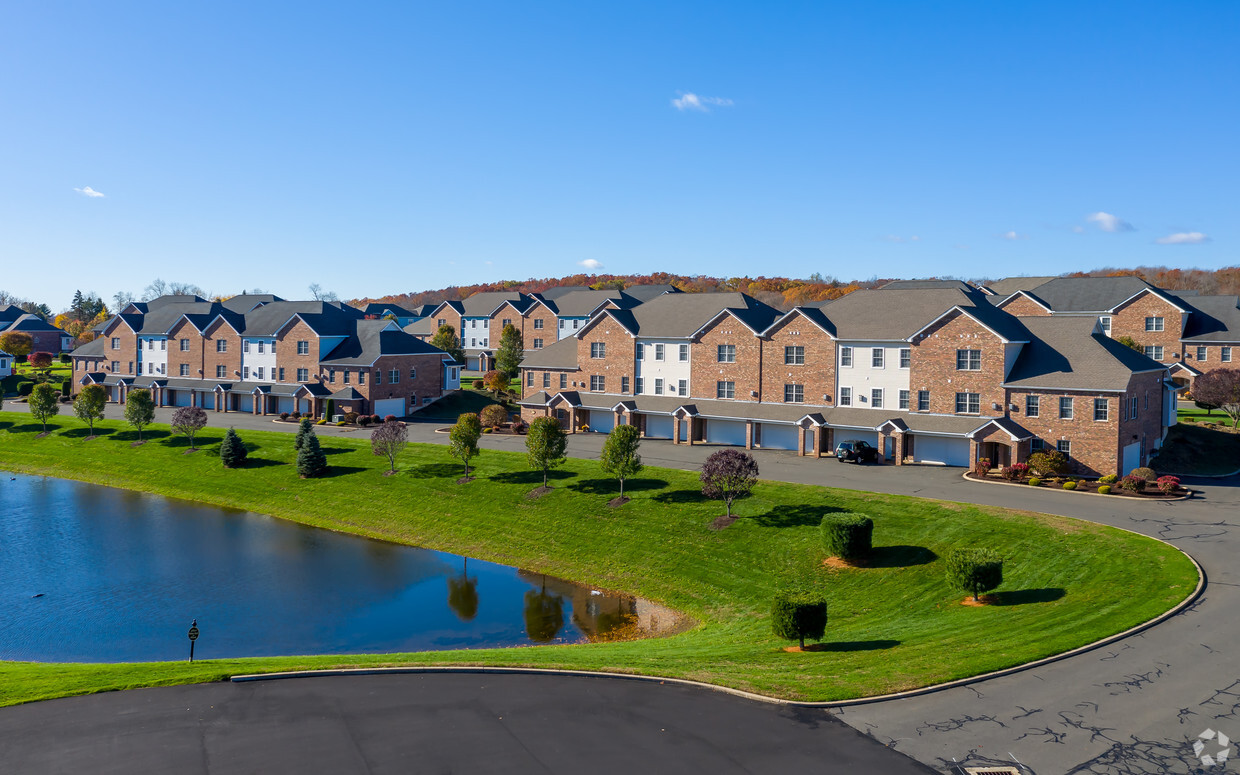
(380, 308)
(169, 298)
(895, 314)
(913, 285)
(1009, 285)
(483, 304)
(1066, 354)
(560, 355)
(560, 290)
(92, 349)
(583, 303)
(28, 322)
(11, 312)
(373, 339)
(244, 302)
(644, 293)
(425, 327)
(682, 315)
(1090, 294)
(1214, 319)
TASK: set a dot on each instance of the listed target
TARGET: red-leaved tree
(1220, 388)
(40, 360)
(727, 475)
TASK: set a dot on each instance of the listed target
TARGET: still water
(95, 574)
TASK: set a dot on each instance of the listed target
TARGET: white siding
(157, 357)
(566, 327)
(863, 377)
(451, 377)
(671, 369)
(266, 360)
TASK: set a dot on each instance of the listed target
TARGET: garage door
(245, 403)
(725, 432)
(601, 421)
(392, 406)
(779, 436)
(180, 397)
(285, 404)
(206, 400)
(1132, 457)
(936, 449)
(658, 426)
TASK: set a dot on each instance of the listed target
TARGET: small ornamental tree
(445, 339)
(232, 452)
(1203, 405)
(187, 421)
(847, 535)
(16, 343)
(496, 382)
(799, 615)
(1049, 462)
(331, 409)
(1145, 473)
(40, 360)
(620, 458)
(44, 403)
(463, 439)
(493, 415)
(304, 428)
(89, 405)
(1220, 387)
(311, 461)
(545, 445)
(1128, 341)
(727, 475)
(1168, 484)
(388, 440)
(974, 570)
(139, 410)
(511, 351)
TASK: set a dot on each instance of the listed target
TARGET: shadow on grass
(530, 477)
(680, 496)
(438, 471)
(335, 450)
(1028, 596)
(81, 433)
(899, 556)
(794, 516)
(612, 487)
(147, 435)
(262, 462)
(854, 645)
(30, 427)
(335, 471)
(199, 441)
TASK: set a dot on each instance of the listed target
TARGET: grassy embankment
(1199, 449)
(892, 626)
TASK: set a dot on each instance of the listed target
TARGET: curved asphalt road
(1134, 707)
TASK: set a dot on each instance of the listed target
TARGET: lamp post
(193, 636)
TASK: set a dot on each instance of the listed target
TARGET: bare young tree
(188, 420)
(727, 475)
(388, 440)
(318, 294)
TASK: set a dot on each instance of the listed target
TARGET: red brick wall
(1095, 444)
(705, 369)
(1148, 390)
(549, 333)
(231, 360)
(1129, 320)
(193, 357)
(427, 384)
(286, 352)
(1214, 357)
(620, 361)
(934, 364)
(128, 354)
(1024, 306)
(572, 376)
(818, 372)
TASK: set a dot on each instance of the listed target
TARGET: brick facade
(933, 366)
(1129, 320)
(193, 358)
(706, 370)
(620, 360)
(230, 359)
(286, 350)
(817, 374)
(549, 332)
(1022, 306)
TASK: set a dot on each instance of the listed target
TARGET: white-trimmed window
(878, 358)
(794, 394)
(1102, 410)
(361, 376)
(845, 396)
(150, 344)
(1154, 351)
(904, 398)
(684, 353)
(1033, 405)
(624, 384)
(641, 351)
(598, 350)
(968, 360)
(968, 403)
(303, 347)
(658, 386)
(538, 324)
(116, 343)
(682, 387)
(1064, 446)
(794, 355)
(1105, 322)
(378, 377)
(1225, 354)
(393, 376)
(245, 345)
(726, 353)
(923, 400)
(221, 345)
(846, 356)
(184, 345)
(163, 344)
(658, 352)
(597, 381)
(725, 390)
(261, 371)
(638, 384)
(116, 366)
(1133, 406)
(413, 374)
(546, 379)
(529, 379)
(1201, 354)
(220, 371)
(184, 370)
(262, 347)
(538, 344)
(906, 357)
(1065, 407)
(1154, 324)
(876, 398)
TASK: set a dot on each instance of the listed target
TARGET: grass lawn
(893, 626)
(1194, 448)
(1186, 409)
(464, 400)
(24, 373)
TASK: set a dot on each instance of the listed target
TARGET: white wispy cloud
(90, 192)
(691, 101)
(1108, 222)
(591, 263)
(1078, 229)
(1013, 235)
(1183, 238)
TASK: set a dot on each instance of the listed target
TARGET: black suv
(856, 451)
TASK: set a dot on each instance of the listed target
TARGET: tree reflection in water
(463, 594)
(544, 614)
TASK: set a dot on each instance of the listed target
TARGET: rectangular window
(220, 372)
(221, 345)
(344, 376)
(1102, 410)
(598, 350)
(1154, 324)
(725, 390)
(1036, 444)
(245, 372)
(684, 353)
(303, 347)
(184, 372)
(658, 387)
(331, 376)
(904, 398)
(968, 403)
(130, 371)
(1133, 406)
(1032, 405)
(261, 372)
(361, 376)
(440, 323)
(596, 382)
(906, 357)
(563, 324)
(262, 347)
(1105, 323)
(538, 324)
(876, 398)
(116, 343)
(1065, 407)
(378, 377)
(245, 345)
(150, 344)
(923, 400)
(563, 381)
(658, 352)
(878, 357)
(163, 344)
(624, 384)
(473, 342)
(641, 351)
(683, 387)
(507, 322)
(538, 344)
(184, 345)
(1225, 355)
(794, 394)
(1154, 351)
(846, 356)
(413, 373)
(1201, 354)
(282, 373)
(529, 379)
(968, 360)
(303, 375)
(473, 323)
(794, 355)
(638, 385)
(116, 366)
(726, 353)
(576, 323)
(393, 376)
(845, 396)
(1064, 446)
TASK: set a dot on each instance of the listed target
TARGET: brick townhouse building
(44, 336)
(928, 372)
(264, 355)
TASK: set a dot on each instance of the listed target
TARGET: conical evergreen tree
(232, 451)
(306, 427)
(311, 461)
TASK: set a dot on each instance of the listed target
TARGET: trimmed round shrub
(363, 420)
(479, 384)
(847, 534)
(1035, 481)
(1069, 485)
(375, 419)
(1104, 489)
(66, 358)
(1168, 484)
(296, 415)
(25, 388)
(1145, 473)
(1190, 419)
(389, 418)
(1109, 479)
(974, 570)
(283, 415)
(350, 417)
(799, 615)
(1049, 462)
(520, 427)
(1132, 483)
(493, 415)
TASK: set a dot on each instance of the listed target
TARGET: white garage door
(181, 397)
(1132, 457)
(392, 406)
(303, 406)
(601, 421)
(936, 449)
(245, 403)
(725, 432)
(850, 434)
(658, 426)
(779, 436)
(285, 404)
(206, 400)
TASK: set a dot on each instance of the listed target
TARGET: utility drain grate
(992, 771)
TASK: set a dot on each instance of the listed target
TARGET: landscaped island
(893, 625)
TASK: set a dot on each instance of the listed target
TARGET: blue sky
(393, 147)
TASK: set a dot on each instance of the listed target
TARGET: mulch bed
(721, 522)
(465, 480)
(136, 444)
(982, 600)
(620, 501)
(44, 435)
(538, 492)
(839, 563)
(1151, 492)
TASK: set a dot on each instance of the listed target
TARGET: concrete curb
(1185, 603)
(1201, 476)
(1187, 492)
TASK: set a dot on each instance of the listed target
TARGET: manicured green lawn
(24, 373)
(1186, 409)
(1195, 448)
(465, 400)
(893, 626)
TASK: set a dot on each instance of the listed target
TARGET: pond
(95, 574)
